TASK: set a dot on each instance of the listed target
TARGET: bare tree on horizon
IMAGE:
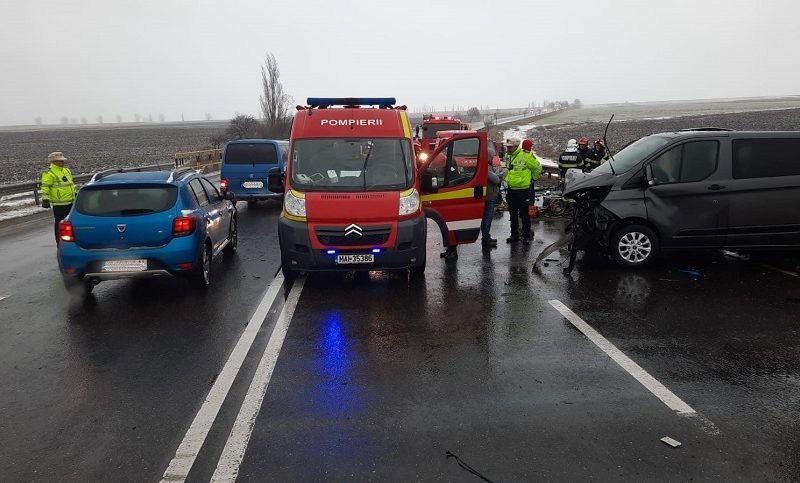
(275, 103)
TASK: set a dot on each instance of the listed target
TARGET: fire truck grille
(335, 235)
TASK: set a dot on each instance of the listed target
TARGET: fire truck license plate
(125, 265)
(354, 259)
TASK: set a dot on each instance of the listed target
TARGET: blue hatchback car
(245, 166)
(127, 224)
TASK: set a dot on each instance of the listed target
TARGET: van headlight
(294, 205)
(409, 204)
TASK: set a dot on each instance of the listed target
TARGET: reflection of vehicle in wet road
(703, 188)
(372, 376)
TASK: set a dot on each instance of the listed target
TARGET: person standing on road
(583, 149)
(58, 188)
(492, 192)
(523, 170)
(596, 156)
(569, 159)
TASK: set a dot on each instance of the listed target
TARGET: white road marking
(772, 267)
(645, 379)
(187, 452)
(231, 458)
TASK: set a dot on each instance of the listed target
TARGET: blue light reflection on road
(336, 393)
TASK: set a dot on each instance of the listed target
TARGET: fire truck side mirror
(429, 182)
(275, 180)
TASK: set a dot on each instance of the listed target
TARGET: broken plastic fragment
(670, 441)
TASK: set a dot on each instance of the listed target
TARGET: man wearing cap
(523, 170)
(58, 188)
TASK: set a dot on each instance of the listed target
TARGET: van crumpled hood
(590, 181)
(333, 207)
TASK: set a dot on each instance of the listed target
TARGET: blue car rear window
(125, 200)
(256, 153)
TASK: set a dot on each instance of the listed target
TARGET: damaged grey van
(700, 188)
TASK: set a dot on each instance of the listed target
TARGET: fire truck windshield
(352, 164)
(429, 130)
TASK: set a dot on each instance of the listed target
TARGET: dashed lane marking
(645, 379)
(193, 440)
(231, 458)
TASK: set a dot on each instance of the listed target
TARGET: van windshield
(632, 155)
(251, 153)
(430, 131)
(352, 164)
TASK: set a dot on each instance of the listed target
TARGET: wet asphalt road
(378, 377)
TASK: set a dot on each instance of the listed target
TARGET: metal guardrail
(195, 159)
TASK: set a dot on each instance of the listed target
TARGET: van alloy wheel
(635, 247)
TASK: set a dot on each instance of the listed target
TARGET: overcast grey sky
(113, 57)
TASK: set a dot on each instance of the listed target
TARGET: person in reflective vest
(58, 188)
(523, 170)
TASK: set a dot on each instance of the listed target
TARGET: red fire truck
(429, 130)
(354, 197)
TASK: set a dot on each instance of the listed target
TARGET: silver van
(700, 188)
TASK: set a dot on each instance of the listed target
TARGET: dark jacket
(570, 159)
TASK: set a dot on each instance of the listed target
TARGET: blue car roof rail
(108, 172)
(179, 173)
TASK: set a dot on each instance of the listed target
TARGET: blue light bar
(376, 250)
(331, 252)
(350, 101)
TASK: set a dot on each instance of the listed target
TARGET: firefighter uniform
(58, 188)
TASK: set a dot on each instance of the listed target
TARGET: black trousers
(59, 213)
(518, 201)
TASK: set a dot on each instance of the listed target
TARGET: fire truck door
(455, 191)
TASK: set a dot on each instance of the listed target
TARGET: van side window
(284, 154)
(699, 160)
(687, 163)
(766, 158)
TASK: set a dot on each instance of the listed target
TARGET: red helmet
(584, 140)
(527, 145)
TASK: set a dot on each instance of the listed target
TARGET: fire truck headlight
(423, 157)
(409, 204)
(294, 206)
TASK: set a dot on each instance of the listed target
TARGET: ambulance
(355, 199)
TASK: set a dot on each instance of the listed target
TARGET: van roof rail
(708, 128)
(108, 172)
